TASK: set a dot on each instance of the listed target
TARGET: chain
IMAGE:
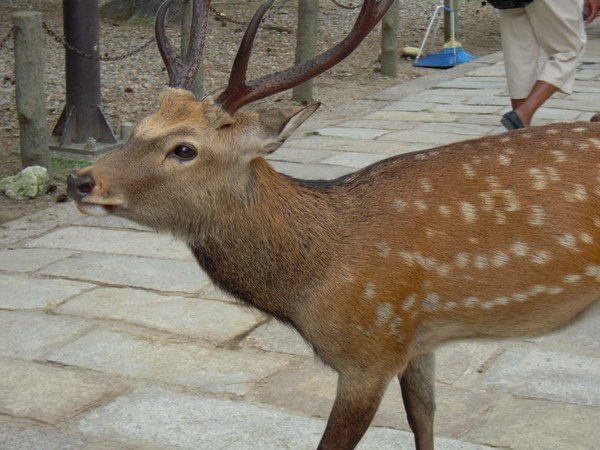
(105, 57)
(5, 39)
(341, 5)
(221, 17)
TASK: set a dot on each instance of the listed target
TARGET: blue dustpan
(437, 60)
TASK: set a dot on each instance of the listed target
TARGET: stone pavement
(112, 338)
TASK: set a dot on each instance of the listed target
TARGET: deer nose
(78, 187)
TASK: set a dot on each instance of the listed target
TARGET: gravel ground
(130, 87)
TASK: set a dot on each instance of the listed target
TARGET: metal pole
(31, 99)
(450, 19)
(82, 120)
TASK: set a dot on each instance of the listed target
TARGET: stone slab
(429, 137)
(29, 260)
(339, 144)
(277, 337)
(310, 389)
(48, 394)
(310, 171)
(540, 425)
(352, 133)
(461, 363)
(151, 416)
(16, 435)
(300, 155)
(487, 100)
(120, 242)
(408, 116)
(545, 374)
(29, 335)
(355, 160)
(185, 363)
(556, 114)
(121, 270)
(212, 292)
(456, 128)
(22, 292)
(466, 109)
(108, 222)
(213, 321)
(378, 124)
(403, 105)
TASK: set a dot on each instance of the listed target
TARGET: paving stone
(310, 389)
(464, 361)
(29, 260)
(29, 335)
(310, 171)
(352, 133)
(355, 160)
(48, 394)
(135, 355)
(212, 292)
(412, 116)
(108, 222)
(466, 109)
(378, 124)
(159, 274)
(496, 70)
(429, 137)
(21, 292)
(539, 425)
(149, 416)
(588, 104)
(16, 435)
(456, 128)
(582, 337)
(546, 374)
(487, 100)
(121, 242)
(37, 224)
(409, 106)
(476, 83)
(480, 119)
(556, 114)
(348, 145)
(214, 321)
(435, 98)
(277, 337)
(300, 155)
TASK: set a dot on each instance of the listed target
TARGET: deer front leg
(355, 405)
(417, 383)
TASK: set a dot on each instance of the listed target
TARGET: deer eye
(184, 152)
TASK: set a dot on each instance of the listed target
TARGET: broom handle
(435, 12)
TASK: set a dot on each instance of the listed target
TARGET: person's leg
(521, 53)
(558, 28)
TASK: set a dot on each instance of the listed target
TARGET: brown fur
(495, 237)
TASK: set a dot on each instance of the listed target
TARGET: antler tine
(239, 92)
(195, 48)
(167, 52)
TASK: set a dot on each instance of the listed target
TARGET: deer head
(191, 152)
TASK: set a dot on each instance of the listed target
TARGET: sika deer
(495, 237)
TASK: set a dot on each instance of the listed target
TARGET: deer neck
(270, 243)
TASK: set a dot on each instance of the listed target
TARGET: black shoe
(511, 121)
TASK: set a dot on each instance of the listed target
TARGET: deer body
(490, 238)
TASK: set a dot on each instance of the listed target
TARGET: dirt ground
(130, 87)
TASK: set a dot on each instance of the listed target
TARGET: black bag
(508, 4)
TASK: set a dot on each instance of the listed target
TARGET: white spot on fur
(450, 305)
(555, 290)
(538, 215)
(420, 205)
(578, 129)
(488, 201)
(399, 205)
(425, 261)
(426, 185)
(383, 249)
(504, 160)
(407, 257)
(499, 301)
(586, 238)
(553, 174)
(481, 262)
(520, 297)
(559, 155)
(462, 259)
(444, 210)
(568, 240)
(431, 301)
(469, 171)
(409, 302)
(539, 179)
(500, 217)
(473, 241)
(541, 257)
(595, 142)
(597, 221)
(395, 325)
(500, 259)
(552, 131)
(578, 194)
(468, 211)
(382, 313)
(520, 248)
(443, 269)
(512, 204)
(593, 271)
(571, 279)
(470, 302)
(537, 289)
(369, 291)
(505, 139)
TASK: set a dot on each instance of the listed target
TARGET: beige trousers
(555, 27)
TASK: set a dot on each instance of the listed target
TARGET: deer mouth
(98, 206)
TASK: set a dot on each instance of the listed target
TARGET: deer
(492, 238)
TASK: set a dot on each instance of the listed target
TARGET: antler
(239, 92)
(182, 72)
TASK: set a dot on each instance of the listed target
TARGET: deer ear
(279, 125)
